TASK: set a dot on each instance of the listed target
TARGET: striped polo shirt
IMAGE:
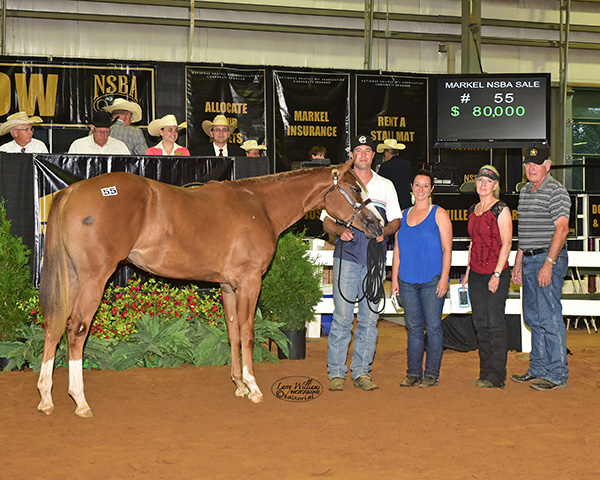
(538, 211)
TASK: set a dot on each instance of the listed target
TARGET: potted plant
(291, 290)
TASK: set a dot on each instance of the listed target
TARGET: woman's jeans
(423, 312)
(490, 325)
(365, 336)
(542, 312)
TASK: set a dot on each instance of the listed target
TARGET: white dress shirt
(88, 146)
(35, 146)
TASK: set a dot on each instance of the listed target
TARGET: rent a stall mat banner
(55, 172)
(310, 109)
(236, 93)
(394, 107)
(67, 94)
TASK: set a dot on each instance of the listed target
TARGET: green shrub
(15, 278)
(291, 286)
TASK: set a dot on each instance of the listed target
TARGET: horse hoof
(47, 409)
(241, 392)
(84, 412)
(255, 397)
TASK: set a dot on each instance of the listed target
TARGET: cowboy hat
(252, 145)
(166, 121)
(220, 120)
(122, 104)
(17, 119)
(102, 119)
(390, 144)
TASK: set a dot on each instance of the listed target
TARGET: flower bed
(150, 324)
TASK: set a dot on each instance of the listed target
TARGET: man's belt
(529, 253)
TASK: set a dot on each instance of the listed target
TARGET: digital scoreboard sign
(507, 111)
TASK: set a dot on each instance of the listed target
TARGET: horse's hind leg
(233, 332)
(44, 383)
(78, 325)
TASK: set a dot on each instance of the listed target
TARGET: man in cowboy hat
(396, 169)
(219, 130)
(127, 112)
(252, 148)
(99, 141)
(20, 127)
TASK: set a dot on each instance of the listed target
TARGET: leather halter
(356, 206)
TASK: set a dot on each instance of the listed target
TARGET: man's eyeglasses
(28, 129)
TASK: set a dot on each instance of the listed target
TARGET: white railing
(576, 305)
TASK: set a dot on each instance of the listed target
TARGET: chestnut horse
(223, 232)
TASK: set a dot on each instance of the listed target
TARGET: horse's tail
(54, 284)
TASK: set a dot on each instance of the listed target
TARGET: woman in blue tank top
(420, 269)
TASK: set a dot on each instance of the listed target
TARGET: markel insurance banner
(67, 94)
(310, 109)
(236, 93)
(393, 106)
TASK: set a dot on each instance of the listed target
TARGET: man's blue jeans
(365, 336)
(423, 312)
(542, 312)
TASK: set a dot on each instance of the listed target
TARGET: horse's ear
(345, 166)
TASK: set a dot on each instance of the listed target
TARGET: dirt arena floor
(187, 423)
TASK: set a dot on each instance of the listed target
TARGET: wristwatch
(497, 274)
(553, 262)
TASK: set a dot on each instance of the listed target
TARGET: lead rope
(372, 285)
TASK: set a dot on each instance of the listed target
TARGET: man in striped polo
(541, 265)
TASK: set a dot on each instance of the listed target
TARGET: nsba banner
(66, 94)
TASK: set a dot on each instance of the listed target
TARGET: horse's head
(348, 202)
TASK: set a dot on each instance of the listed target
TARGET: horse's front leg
(247, 331)
(233, 332)
(246, 306)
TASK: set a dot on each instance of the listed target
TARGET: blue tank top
(420, 249)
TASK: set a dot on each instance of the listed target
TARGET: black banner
(394, 107)
(55, 172)
(66, 95)
(458, 205)
(310, 109)
(18, 194)
(594, 216)
(235, 93)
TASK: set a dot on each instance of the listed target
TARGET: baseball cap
(361, 140)
(536, 155)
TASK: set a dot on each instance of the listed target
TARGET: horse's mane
(277, 176)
